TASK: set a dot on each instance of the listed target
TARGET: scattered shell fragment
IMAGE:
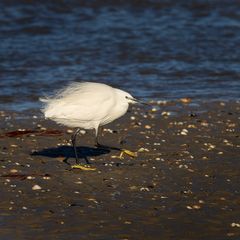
(82, 132)
(143, 150)
(14, 145)
(165, 113)
(144, 189)
(235, 224)
(36, 187)
(184, 132)
(185, 100)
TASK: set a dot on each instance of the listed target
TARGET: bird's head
(128, 98)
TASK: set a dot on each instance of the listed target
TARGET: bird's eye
(127, 97)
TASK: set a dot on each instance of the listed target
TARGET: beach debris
(132, 188)
(185, 100)
(193, 207)
(209, 146)
(82, 131)
(184, 132)
(30, 177)
(234, 224)
(166, 113)
(128, 152)
(162, 102)
(144, 189)
(36, 187)
(93, 200)
(14, 145)
(41, 132)
(83, 167)
(143, 149)
(127, 222)
(204, 124)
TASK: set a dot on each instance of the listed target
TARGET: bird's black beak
(139, 101)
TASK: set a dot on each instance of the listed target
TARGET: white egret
(87, 105)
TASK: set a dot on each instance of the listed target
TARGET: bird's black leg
(73, 138)
(97, 144)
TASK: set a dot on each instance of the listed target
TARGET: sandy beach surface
(184, 183)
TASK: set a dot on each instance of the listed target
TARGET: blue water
(153, 49)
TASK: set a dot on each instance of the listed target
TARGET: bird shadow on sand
(67, 152)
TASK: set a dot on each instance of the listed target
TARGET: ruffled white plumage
(86, 105)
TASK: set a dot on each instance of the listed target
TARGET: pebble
(148, 127)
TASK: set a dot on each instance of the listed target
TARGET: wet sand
(184, 184)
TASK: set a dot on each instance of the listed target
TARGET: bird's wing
(89, 102)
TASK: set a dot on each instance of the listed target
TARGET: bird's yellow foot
(129, 153)
(83, 167)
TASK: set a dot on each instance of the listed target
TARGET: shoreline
(184, 180)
